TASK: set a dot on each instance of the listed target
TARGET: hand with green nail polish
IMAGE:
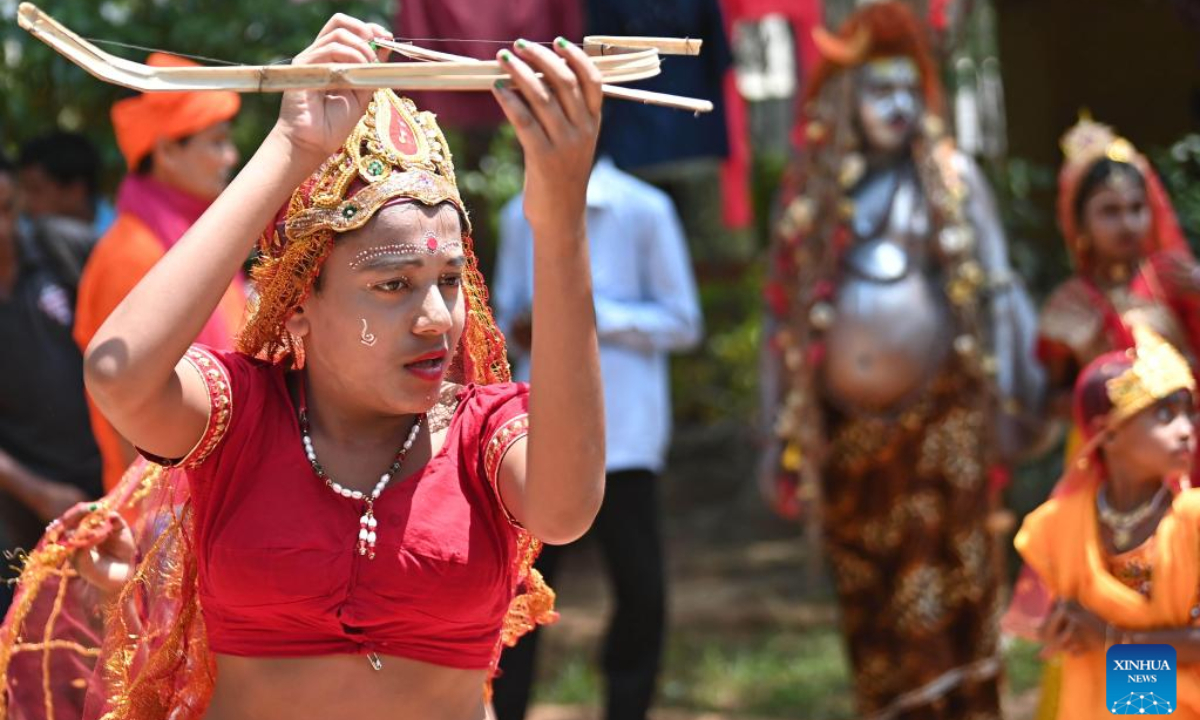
(553, 97)
(316, 123)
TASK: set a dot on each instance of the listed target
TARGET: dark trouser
(627, 529)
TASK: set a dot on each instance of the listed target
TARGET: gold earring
(296, 345)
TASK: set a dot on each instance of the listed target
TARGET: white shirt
(645, 299)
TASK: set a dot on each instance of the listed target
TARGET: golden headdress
(1088, 141)
(1158, 371)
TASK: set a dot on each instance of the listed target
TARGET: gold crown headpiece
(1158, 371)
(394, 152)
(1088, 141)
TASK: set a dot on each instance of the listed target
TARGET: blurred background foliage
(42, 90)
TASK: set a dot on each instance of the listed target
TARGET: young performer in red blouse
(337, 520)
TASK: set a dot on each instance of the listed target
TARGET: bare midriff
(344, 686)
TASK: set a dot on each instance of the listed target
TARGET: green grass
(769, 675)
(763, 673)
(760, 674)
(1023, 665)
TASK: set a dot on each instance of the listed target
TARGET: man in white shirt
(646, 307)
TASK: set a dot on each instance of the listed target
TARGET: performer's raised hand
(557, 119)
(318, 121)
(554, 483)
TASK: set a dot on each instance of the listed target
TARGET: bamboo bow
(619, 59)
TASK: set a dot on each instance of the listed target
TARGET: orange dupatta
(1060, 540)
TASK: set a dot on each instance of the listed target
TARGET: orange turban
(141, 121)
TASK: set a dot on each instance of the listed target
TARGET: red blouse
(278, 571)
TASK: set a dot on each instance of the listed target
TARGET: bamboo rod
(663, 45)
(643, 96)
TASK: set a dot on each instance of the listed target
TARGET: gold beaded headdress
(394, 153)
(1088, 141)
(1158, 371)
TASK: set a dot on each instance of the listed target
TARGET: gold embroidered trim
(220, 405)
(498, 446)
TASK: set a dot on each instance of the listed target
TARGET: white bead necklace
(367, 523)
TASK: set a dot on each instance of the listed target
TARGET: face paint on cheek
(366, 337)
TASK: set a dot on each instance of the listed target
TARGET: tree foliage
(44, 91)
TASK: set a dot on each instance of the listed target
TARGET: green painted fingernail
(505, 56)
(521, 44)
(93, 507)
(561, 41)
(499, 84)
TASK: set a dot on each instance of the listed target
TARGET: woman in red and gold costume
(899, 342)
(338, 520)
(1132, 263)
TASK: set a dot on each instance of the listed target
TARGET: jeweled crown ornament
(1088, 141)
(1159, 370)
(394, 151)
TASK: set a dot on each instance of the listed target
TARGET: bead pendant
(366, 533)
(1121, 537)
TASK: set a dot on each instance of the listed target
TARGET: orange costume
(1153, 586)
(151, 218)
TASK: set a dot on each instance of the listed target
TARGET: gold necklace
(1122, 524)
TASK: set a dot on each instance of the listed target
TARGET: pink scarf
(168, 213)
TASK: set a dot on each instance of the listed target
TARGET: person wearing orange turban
(179, 153)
